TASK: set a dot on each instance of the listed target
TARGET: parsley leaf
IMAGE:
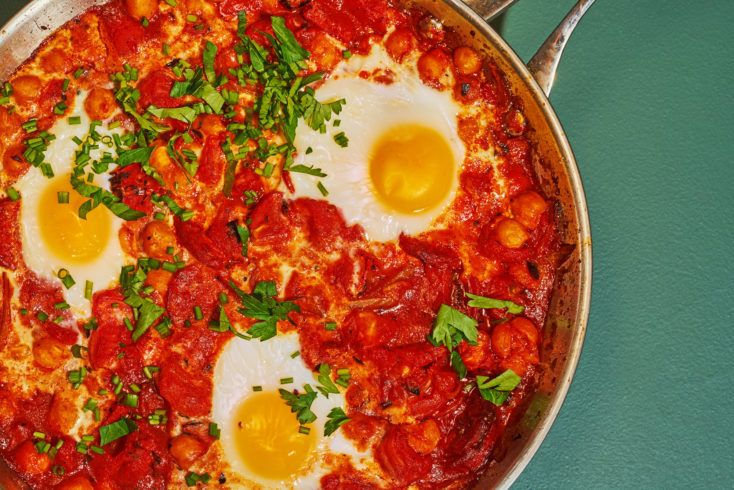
(482, 302)
(261, 305)
(451, 326)
(337, 418)
(324, 378)
(496, 390)
(290, 50)
(243, 233)
(116, 430)
(300, 404)
(148, 313)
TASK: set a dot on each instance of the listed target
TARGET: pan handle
(544, 63)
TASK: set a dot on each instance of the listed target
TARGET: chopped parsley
(262, 305)
(496, 390)
(337, 418)
(300, 404)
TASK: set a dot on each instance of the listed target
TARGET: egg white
(371, 109)
(243, 364)
(105, 268)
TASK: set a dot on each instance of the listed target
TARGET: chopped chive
(130, 400)
(60, 108)
(159, 216)
(322, 189)
(166, 49)
(257, 388)
(145, 22)
(88, 289)
(304, 430)
(286, 381)
(24, 311)
(128, 324)
(58, 320)
(192, 18)
(167, 266)
(42, 316)
(39, 435)
(170, 251)
(96, 449)
(103, 392)
(342, 372)
(147, 289)
(330, 326)
(187, 323)
(199, 27)
(342, 382)
(63, 305)
(12, 194)
(91, 403)
(268, 170)
(172, 3)
(78, 72)
(295, 354)
(223, 300)
(65, 86)
(66, 278)
(115, 379)
(149, 370)
(97, 414)
(113, 125)
(87, 438)
(198, 314)
(214, 431)
(63, 197)
(346, 54)
(135, 388)
(58, 470)
(30, 125)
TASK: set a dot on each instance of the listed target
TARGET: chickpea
(510, 233)
(434, 67)
(528, 208)
(155, 239)
(63, 413)
(400, 43)
(172, 174)
(467, 60)
(142, 8)
(50, 353)
(26, 88)
(473, 355)
(100, 104)
(502, 340)
(55, 61)
(424, 437)
(77, 482)
(29, 461)
(527, 329)
(185, 450)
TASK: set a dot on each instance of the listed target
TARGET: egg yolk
(412, 168)
(68, 236)
(267, 437)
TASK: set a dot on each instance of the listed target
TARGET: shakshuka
(265, 244)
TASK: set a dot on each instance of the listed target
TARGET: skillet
(555, 168)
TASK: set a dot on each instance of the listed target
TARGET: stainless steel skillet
(555, 166)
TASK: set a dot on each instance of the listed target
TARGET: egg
(399, 169)
(53, 235)
(260, 434)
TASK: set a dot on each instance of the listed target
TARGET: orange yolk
(267, 437)
(412, 168)
(68, 236)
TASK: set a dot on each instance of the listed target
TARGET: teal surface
(645, 94)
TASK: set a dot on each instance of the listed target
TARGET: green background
(644, 94)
